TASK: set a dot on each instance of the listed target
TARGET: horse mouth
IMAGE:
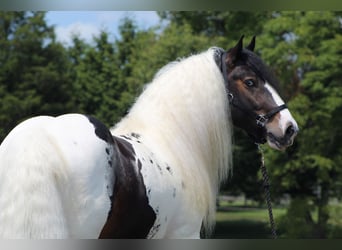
(279, 143)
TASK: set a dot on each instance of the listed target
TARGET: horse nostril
(290, 131)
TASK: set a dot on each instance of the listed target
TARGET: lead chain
(267, 193)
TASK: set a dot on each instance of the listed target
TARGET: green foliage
(230, 25)
(247, 162)
(95, 72)
(297, 223)
(33, 72)
(310, 45)
(173, 43)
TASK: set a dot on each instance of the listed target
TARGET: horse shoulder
(131, 216)
(148, 196)
(86, 146)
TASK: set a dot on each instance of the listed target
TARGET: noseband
(261, 120)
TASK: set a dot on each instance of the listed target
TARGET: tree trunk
(323, 212)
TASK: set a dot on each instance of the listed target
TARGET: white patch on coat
(164, 191)
(55, 179)
(286, 118)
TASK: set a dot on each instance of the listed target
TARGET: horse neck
(183, 116)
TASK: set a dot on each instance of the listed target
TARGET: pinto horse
(156, 173)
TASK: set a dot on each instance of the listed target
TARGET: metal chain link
(266, 185)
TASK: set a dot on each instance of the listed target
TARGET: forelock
(260, 68)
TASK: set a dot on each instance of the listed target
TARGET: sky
(88, 24)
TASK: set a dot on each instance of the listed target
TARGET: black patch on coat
(139, 164)
(135, 135)
(131, 216)
(168, 168)
(101, 130)
(160, 169)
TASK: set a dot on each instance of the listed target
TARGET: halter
(261, 120)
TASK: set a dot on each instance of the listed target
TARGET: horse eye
(249, 82)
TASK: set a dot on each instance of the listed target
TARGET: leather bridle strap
(261, 120)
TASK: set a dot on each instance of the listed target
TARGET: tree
(307, 45)
(95, 73)
(105, 85)
(230, 25)
(33, 70)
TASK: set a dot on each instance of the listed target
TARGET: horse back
(56, 178)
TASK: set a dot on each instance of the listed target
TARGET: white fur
(54, 173)
(183, 117)
(285, 117)
(53, 179)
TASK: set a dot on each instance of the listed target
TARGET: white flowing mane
(183, 117)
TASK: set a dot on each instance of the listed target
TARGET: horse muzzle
(285, 141)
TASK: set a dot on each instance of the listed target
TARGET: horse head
(256, 106)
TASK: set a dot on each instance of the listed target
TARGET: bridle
(260, 119)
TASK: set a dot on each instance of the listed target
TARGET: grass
(235, 221)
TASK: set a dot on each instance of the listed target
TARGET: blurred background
(51, 63)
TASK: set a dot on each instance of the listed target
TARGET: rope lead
(266, 185)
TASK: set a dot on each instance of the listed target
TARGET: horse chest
(145, 193)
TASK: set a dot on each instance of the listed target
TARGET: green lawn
(238, 222)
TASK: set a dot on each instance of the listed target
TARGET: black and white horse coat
(91, 184)
(154, 175)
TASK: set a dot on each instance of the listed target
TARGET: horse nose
(291, 132)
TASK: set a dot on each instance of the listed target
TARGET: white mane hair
(183, 117)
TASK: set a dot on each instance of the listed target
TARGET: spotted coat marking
(104, 134)
(130, 215)
(156, 185)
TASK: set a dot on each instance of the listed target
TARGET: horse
(156, 173)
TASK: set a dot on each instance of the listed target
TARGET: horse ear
(251, 45)
(234, 53)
